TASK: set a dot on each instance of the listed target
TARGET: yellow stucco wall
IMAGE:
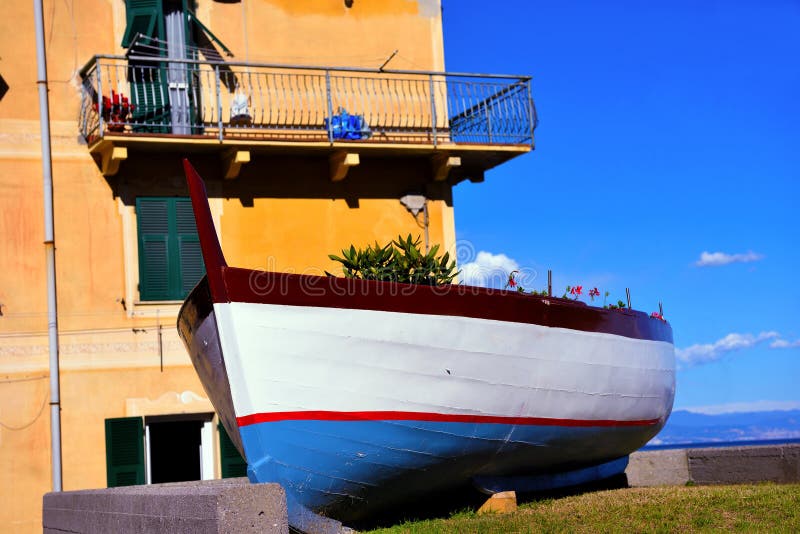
(282, 213)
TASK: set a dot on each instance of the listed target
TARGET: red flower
(576, 290)
(511, 281)
(594, 293)
(656, 315)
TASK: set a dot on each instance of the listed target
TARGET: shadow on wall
(148, 174)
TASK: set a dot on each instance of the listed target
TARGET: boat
(359, 395)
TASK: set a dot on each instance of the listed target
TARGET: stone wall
(725, 465)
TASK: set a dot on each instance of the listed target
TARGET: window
(167, 448)
(170, 260)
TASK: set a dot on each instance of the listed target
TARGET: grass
(740, 508)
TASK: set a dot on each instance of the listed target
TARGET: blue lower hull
(351, 470)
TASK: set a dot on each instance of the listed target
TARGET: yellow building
(307, 145)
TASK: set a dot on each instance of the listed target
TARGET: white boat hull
(297, 359)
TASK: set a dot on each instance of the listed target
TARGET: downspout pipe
(49, 247)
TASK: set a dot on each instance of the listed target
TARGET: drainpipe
(49, 247)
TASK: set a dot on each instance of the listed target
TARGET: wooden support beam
(503, 502)
(341, 161)
(232, 161)
(109, 157)
(442, 164)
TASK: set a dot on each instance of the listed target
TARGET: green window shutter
(124, 451)
(149, 91)
(154, 282)
(149, 97)
(231, 462)
(145, 17)
(170, 259)
(153, 221)
(190, 256)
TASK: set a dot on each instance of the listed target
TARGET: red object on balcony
(115, 111)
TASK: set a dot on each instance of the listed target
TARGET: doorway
(178, 448)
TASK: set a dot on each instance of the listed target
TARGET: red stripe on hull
(322, 415)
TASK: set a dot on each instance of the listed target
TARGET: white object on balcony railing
(240, 113)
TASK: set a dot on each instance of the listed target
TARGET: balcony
(466, 123)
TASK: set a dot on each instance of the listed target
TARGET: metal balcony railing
(226, 100)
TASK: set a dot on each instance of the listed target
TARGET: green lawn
(741, 508)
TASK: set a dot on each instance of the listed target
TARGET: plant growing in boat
(399, 261)
(575, 291)
(512, 282)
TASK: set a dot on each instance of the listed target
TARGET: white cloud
(715, 259)
(492, 270)
(783, 344)
(709, 352)
(743, 407)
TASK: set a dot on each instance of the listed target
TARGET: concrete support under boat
(499, 503)
(551, 481)
(301, 519)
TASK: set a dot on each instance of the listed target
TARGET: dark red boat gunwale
(232, 284)
(264, 287)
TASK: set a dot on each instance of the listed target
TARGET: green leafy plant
(399, 261)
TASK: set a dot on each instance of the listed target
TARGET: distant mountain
(689, 427)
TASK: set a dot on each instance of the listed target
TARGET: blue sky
(668, 129)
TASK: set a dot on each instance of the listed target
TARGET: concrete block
(244, 510)
(202, 507)
(735, 465)
(658, 468)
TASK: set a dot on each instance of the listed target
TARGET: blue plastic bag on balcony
(346, 126)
